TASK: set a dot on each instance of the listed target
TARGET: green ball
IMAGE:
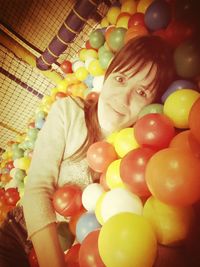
(19, 175)
(105, 59)
(116, 39)
(187, 59)
(96, 39)
(152, 108)
(101, 50)
(32, 133)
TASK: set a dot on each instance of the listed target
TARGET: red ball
(67, 200)
(92, 96)
(71, 256)
(11, 196)
(132, 170)
(59, 95)
(100, 155)
(136, 19)
(32, 258)
(89, 252)
(66, 66)
(154, 130)
(194, 122)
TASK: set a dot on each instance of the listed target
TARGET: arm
(47, 247)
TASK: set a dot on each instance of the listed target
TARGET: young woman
(136, 77)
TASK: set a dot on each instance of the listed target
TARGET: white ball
(88, 61)
(98, 83)
(77, 64)
(90, 196)
(120, 200)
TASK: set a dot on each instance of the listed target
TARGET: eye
(142, 92)
(120, 79)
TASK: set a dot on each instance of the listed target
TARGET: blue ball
(177, 85)
(89, 81)
(86, 224)
(157, 15)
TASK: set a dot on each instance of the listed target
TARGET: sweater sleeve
(44, 169)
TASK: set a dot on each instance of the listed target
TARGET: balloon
(173, 176)
(85, 225)
(116, 39)
(187, 59)
(98, 209)
(112, 14)
(177, 85)
(151, 108)
(132, 170)
(103, 182)
(73, 220)
(171, 224)
(100, 155)
(71, 256)
(143, 5)
(127, 240)
(66, 238)
(157, 15)
(154, 130)
(67, 200)
(113, 178)
(125, 141)
(66, 66)
(89, 252)
(129, 7)
(89, 81)
(119, 200)
(96, 39)
(11, 196)
(194, 122)
(178, 105)
(134, 31)
(186, 140)
(136, 19)
(90, 196)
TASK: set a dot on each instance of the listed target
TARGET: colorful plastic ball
(32, 133)
(85, 225)
(32, 258)
(90, 196)
(22, 163)
(89, 81)
(98, 209)
(105, 59)
(132, 170)
(82, 54)
(39, 123)
(98, 83)
(116, 39)
(119, 200)
(91, 53)
(127, 240)
(178, 105)
(100, 155)
(66, 66)
(177, 85)
(67, 200)
(143, 5)
(103, 183)
(81, 73)
(11, 196)
(96, 39)
(187, 59)
(186, 140)
(104, 22)
(72, 256)
(77, 64)
(194, 122)
(134, 31)
(88, 61)
(157, 15)
(173, 176)
(95, 68)
(125, 141)
(89, 252)
(92, 96)
(154, 130)
(112, 14)
(151, 108)
(73, 220)
(136, 19)
(19, 175)
(113, 178)
(122, 20)
(129, 6)
(108, 31)
(172, 224)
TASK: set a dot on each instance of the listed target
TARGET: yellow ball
(113, 178)
(98, 209)
(143, 5)
(53, 92)
(62, 86)
(91, 53)
(82, 54)
(111, 138)
(81, 73)
(127, 240)
(104, 22)
(129, 7)
(70, 78)
(178, 105)
(125, 141)
(123, 22)
(171, 224)
(95, 68)
(112, 14)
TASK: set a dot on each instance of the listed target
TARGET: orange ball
(134, 31)
(194, 122)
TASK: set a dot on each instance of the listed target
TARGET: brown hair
(136, 53)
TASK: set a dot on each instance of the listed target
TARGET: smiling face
(123, 96)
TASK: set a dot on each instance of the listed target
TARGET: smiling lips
(119, 110)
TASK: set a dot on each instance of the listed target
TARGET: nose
(129, 96)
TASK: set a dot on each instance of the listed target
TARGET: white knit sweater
(63, 133)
